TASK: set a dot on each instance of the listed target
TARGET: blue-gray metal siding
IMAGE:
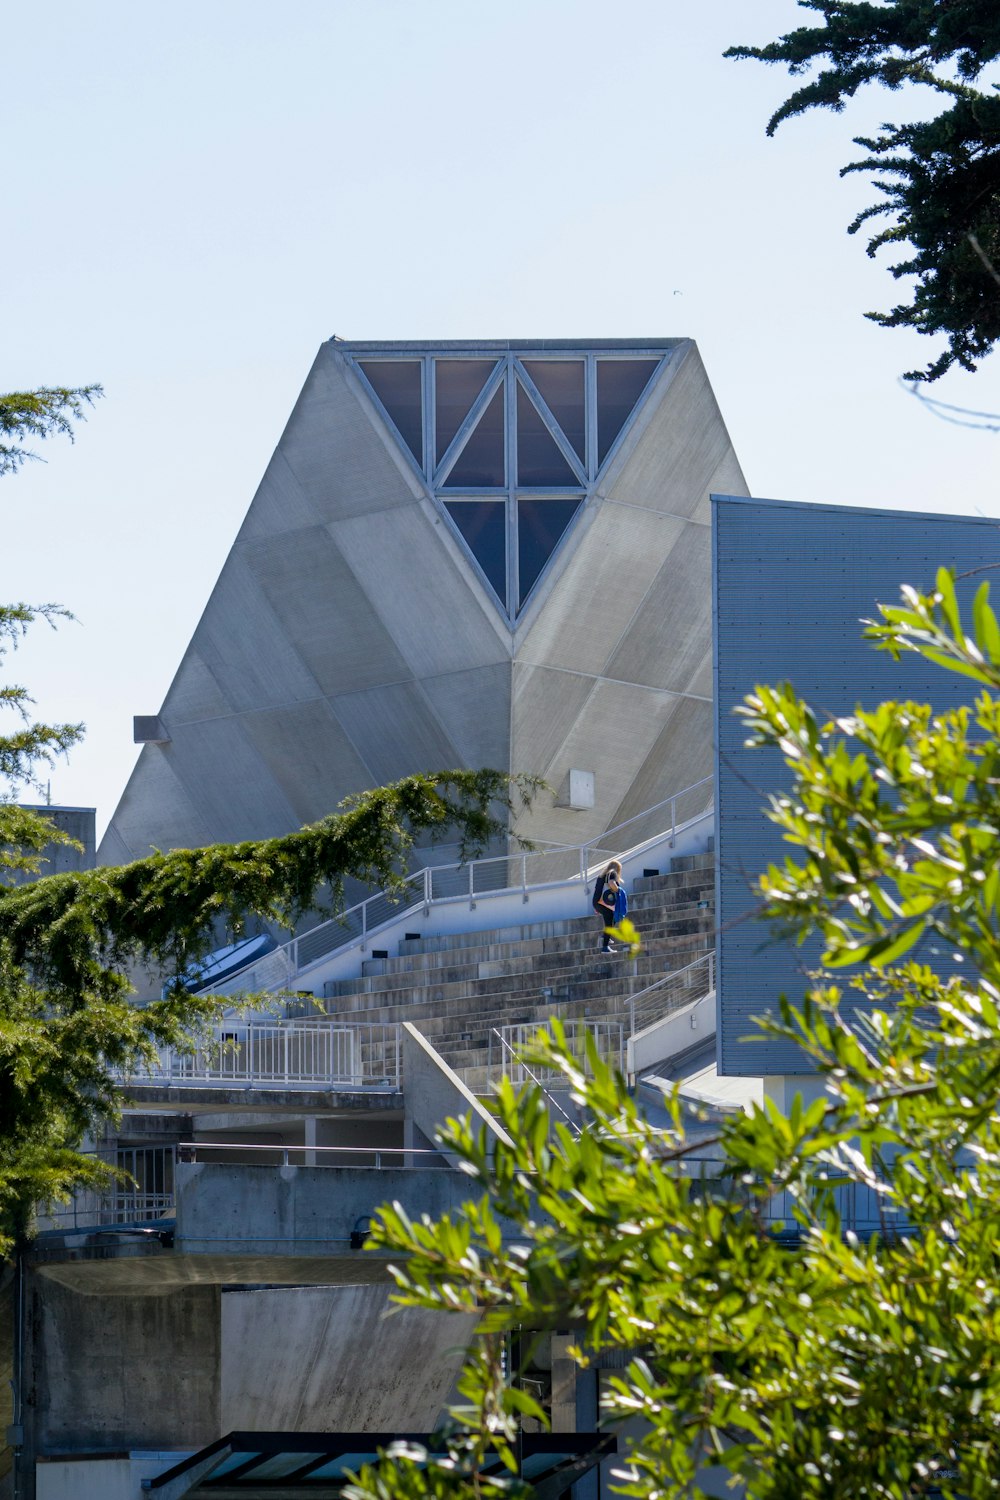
(790, 584)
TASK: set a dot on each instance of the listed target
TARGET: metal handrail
(708, 959)
(602, 841)
(326, 1053)
(187, 1152)
(278, 968)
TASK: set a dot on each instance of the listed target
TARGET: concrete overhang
(106, 1271)
(193, 1099)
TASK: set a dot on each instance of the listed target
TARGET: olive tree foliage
(814, 1362)
(938, 178)
(69, 1032)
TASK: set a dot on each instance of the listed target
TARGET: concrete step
(605, 989)
(458, 987)
(498, 960)
(658, 956)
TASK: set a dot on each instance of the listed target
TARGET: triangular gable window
(483, 524)
(396, 383)
(481, 463)
(457, 383)
(539, 461)
(620, 384)
(540, 528)
(559, 416)
(561, 385)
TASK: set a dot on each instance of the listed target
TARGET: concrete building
(212, 1326)
(485, 553)
(80, 824)
(471, 554)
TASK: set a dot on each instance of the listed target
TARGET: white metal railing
(291, 1054)
(143, 1193)
(609, 1037)
(629, 1014)
(530, 870)
(674, 990)
(377, 1158)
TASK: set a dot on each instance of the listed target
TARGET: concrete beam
(434, 1092)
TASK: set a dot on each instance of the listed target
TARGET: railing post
(428, 890)
(364, 926)
(524, 877)
(673, 821)
(711, 969)
(472, 885)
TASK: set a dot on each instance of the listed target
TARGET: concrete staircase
(456, 988)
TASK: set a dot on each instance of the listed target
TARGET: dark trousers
(606, 919)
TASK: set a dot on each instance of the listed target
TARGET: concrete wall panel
(617, 728)
(323, 612)
(229, 781)
(279, 505)
(155, 812)
(424, 598)
(680, 756)
(194, 694)
(547, 704)
(395, 731)
(666, 642)
(474, 710)
(126, 1371)
(606, 578)
(682, 447)
(309, 755)
(336, 1359)
(339, 457)
(241, 641)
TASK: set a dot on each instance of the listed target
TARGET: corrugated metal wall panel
(790, 584)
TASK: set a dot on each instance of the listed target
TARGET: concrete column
(564, 1372)
(310, 1141)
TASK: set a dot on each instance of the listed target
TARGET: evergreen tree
(939, 179)
(69, 1031)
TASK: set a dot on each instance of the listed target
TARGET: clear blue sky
(197, 195)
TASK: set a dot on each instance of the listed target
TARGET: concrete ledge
(193, 1099)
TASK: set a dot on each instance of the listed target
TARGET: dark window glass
(396, 383)
(620, 383)
(540, 524)
(483, 523)
(457, 383)
(538, 458)
(560, 382)
(481, 461)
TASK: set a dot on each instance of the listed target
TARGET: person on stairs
(609, 901)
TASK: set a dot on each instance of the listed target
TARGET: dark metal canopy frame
(299, 1465)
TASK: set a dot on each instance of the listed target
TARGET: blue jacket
(621, 905)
